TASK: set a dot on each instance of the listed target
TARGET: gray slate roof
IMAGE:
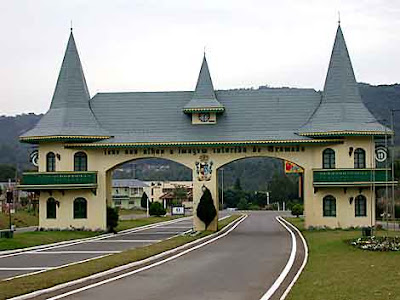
(341, 108)
(69, 113)
(251, 115)
(264, 114)
(204, 94)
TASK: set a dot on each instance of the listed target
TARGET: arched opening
(80, 208)
(360, 206)
(50, 162)
(328, 159)
(80, 161)
(135, 184)
(359, 158)
(51, 208)
(260, 183)
(329, 206)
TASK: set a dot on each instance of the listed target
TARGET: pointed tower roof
(70, 115)
(341, 109)
(204, 99)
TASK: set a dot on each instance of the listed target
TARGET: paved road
(55, 256)
(242, 265)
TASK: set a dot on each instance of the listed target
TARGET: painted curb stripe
(284, 295)
(288, 266)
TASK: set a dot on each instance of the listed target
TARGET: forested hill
(379, 100)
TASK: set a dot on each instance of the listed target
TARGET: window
(329, 206)
(328, 159)
(80, 208)
(359, 158)
(361, 206)
(51, 208)
(50, 162)
(80, 161)
(117, 202)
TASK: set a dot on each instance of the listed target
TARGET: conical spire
(71, 89)
(341, 108)
(204, 98)
(70, 114)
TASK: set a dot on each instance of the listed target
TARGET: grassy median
(51, 278)
(337, 270)
(21, 218)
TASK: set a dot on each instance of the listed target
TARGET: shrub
(156, 209)
(112, 219)
(297, 210)
(143, 200)
(206, 210)
(243, 204)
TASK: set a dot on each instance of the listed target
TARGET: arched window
(360, 206)
(51, 209)
(80, 161)
(359, 158)
(329, 209)
(50, 162)
(80, 208)
(328, 159)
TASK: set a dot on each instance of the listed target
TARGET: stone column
(199, 182)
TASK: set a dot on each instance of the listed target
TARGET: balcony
(58, 180)
(351, 177)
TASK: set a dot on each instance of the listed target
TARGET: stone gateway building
(329, 134)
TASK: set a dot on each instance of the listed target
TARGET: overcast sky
(155, 45)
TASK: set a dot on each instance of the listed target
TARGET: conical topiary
(206, 210)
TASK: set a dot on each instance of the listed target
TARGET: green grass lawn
(20, 219)
(337, 270)
(135, 211)
(50, 278)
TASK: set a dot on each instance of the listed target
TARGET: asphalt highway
(242, 265)
(40, 260)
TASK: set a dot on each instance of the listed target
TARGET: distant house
(127, 193)
(165, 192)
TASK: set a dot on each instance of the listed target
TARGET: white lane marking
(57, 267)
(25, 269)
(128, 241)
(40, 292)
(175, 227)
(74, 252)
(288, 266)
(284, 295)
(158, 232)
(10, 253)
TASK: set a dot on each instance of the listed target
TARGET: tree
(180, 194)
(243, 204)
(206, 210)
(112, 219)
(143, 200)
(237, 186)
(297, 210)
(156, 209)
(6, 172)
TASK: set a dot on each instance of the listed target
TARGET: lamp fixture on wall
(58, 156)
(351, 200)
(351, 151)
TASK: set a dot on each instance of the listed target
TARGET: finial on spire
(339, 17)
(204, 51)
(71, 26)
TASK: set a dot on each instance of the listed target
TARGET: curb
(134, 264)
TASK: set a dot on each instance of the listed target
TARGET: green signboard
(59, 178)
(352, 175)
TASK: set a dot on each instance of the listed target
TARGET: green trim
(58, 138)
(204, 144)
(339, 133)
(203, 109)
(58, 180)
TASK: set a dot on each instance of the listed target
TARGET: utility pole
(222, 192)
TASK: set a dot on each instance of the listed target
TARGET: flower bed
(374, 243)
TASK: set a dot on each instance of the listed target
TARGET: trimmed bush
(112, 219)
(206, 210)
(156, 209)
(297, 210)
